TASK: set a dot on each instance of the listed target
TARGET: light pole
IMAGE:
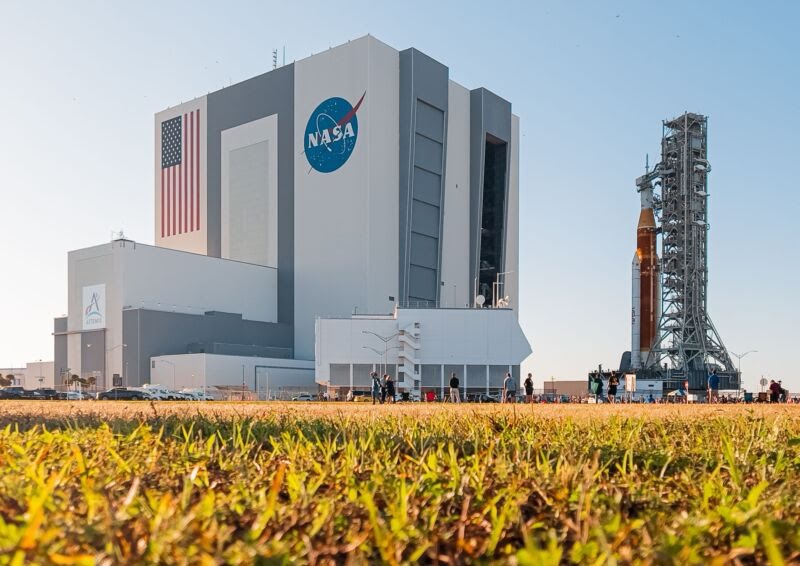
(173, 369)
(385, 340)
(383, 355)
(380, 355)
(739, 363)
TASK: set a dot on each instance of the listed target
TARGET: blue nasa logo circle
(331, 134)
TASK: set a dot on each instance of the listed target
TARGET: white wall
(34, 370)
(343, 341)
(86, 267)
(249, 196)
(457, 290)
(346, 222)
(446, 336)
(195, 371)
(196, 241)
(141, 276)
(28, 376)
(161, 279)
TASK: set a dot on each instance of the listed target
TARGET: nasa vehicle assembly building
(357, 181)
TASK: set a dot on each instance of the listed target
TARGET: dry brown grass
(144, 410)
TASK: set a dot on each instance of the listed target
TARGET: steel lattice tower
(687, 345)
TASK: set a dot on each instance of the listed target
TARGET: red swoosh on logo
(349, 115)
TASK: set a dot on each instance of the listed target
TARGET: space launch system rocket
(646, 283)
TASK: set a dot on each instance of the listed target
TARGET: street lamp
(382, 355)
(385, 340)
(739, 362)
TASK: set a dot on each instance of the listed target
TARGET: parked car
(48, 394)
(10, 393)
(303, 397)
(73, 396)
(484, 398)
(162, 393)
(196, 395)
(124, 394)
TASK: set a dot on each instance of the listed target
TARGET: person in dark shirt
(713, 387)
(613, 382)
(455, 394)
(774, 391)
(529, 388)
(376, 388)
(390, 392)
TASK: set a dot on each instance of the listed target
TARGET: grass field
(184, 483)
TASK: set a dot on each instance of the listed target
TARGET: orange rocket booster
(649, 295)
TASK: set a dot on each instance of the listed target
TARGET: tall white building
(353, 181)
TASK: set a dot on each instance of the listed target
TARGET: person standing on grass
(529, 388)
(713, 387)
(383, 389)
(598, 392)
(455, 394)
(509, 389)
(376, 388)
(390, 393)
(774, 391)
(613, 382)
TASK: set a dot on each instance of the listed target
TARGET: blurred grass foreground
(285, 483)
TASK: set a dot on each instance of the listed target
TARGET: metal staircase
(409, 360)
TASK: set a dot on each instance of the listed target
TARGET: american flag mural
(180, 174)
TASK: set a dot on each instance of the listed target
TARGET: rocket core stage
(646, 285)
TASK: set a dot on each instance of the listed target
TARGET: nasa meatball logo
(331, 134)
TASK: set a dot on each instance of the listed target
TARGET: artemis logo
(331, 134)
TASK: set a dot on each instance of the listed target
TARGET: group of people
(596, 387)
(777, 394)
(383, 389)
(508, 395)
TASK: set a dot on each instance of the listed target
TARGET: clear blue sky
(591, 82)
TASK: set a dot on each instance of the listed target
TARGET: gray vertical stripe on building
(423, 146)
(261, 96)
(489, 114)
(60, 356)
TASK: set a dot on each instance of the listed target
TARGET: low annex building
(422, 348)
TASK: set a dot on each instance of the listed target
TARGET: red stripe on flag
(184, 168)
(197, 165)
(166, 192)
(179, 173)
(191, 171)
(173, 201)
(162, 202)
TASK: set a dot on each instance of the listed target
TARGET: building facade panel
(345, 219)
(423, 123)
(249, 192)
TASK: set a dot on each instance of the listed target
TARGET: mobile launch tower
(673, 337)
